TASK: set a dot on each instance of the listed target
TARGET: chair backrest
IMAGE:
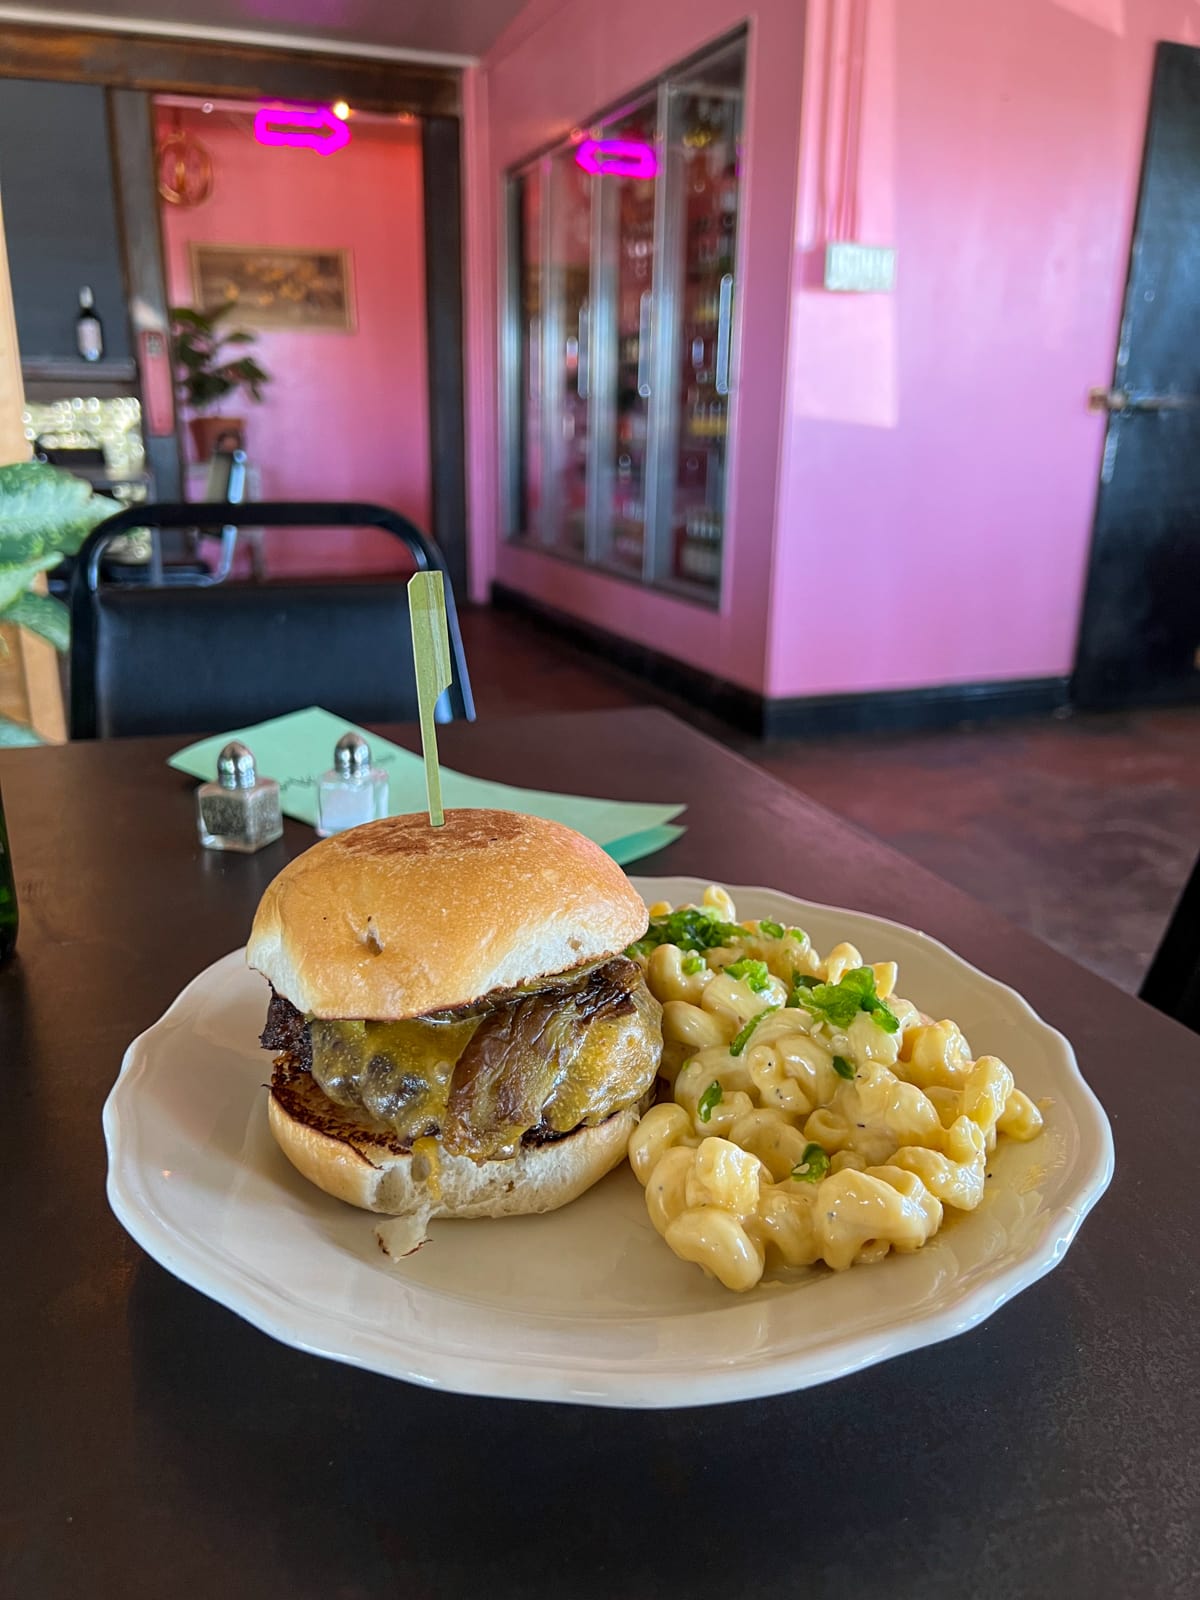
(200, 659)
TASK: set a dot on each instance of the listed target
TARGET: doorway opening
(313, 260)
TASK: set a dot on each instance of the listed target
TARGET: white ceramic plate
(586, 1304)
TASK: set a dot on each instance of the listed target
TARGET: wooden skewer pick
(431, 657)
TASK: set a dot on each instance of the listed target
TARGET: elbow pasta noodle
(815, 1115)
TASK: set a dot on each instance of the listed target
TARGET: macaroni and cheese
(815, 1115)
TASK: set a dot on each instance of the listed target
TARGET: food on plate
(458, 1031)
(814, 1115)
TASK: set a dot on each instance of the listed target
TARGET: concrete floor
(1082, 829)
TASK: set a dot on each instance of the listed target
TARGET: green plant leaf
(16, 734)
(15, 580)
(45, 512)
(204, 377)
(44, 615)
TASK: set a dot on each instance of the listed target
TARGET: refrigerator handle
(643, 370)
(724, 324)
(581, 364)
(535, 361)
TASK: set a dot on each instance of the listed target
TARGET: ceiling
(457, 29)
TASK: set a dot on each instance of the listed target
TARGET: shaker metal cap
(352, 755)
(235, 766)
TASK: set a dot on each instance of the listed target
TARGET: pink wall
(938, 442)
(557, 64)
(346, 417)
(912, 504)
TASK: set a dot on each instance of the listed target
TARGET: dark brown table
(154, 1444)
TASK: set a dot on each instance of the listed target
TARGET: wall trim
(262, 38)
(802, 716)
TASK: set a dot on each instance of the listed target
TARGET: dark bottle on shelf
(8, 894)
(89, 330)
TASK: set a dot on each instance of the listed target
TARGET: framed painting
(275, 288)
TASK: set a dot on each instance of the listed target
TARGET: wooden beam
(30, 687)
(185, 66)
(132, 139)
(13, 444)
(441, 169)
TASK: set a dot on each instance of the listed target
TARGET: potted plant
(208, 372)
(45, 514)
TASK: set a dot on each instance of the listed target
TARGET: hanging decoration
(185, 170)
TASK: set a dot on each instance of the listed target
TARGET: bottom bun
(359, 1163)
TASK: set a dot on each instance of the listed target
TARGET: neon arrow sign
(306, 127)
(617, 158)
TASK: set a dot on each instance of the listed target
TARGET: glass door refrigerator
(702, 114)
(566, 353)
(620, 372)
(626, 246)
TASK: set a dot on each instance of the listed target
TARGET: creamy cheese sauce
(398, 1071)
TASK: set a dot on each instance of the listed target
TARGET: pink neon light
(618, 158)
(307, 127)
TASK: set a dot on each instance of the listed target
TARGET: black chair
(1173, 982)
(226, 486)
(200, 658)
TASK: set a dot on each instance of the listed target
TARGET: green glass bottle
(8, 894)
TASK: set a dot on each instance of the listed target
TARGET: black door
(1140, 634)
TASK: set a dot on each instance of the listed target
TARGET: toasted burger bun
(397, 918)
(353, 1161)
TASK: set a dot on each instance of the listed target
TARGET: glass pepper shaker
(352, 791)
(241, 810)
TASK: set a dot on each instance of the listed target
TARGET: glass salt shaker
(241, 810)
(352, 791)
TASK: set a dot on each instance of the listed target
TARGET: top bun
(397, 918)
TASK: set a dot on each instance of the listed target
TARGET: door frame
(158, 64)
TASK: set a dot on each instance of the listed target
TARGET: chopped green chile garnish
(709, 1100)
(839, 1003)
(842, 1067)
(800, 980)
(743, 1037)
(812, 1165)
(798, 934)
(693, 964)
(752, 973)
(692, 929)
(773, 930)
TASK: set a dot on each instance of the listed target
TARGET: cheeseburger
(457, 1031)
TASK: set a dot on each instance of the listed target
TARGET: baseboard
(805, 716)
(945, 705)
(728, 701)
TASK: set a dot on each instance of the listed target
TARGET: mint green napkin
(296, 749)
